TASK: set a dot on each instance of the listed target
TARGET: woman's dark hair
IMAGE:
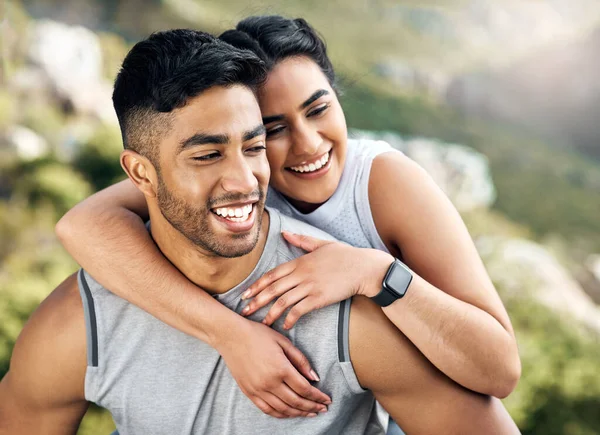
(274, 38)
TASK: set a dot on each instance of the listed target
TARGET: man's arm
(43, 392)
(418, 396)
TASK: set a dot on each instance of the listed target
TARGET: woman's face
(306, 132)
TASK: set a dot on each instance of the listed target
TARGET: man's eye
(274, 131)
(318, 110)
(206, 157)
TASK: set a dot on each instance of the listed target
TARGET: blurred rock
(589, 277)
(71, 59)
(27, 144)
(522, 267)
(411, 78)
(462, 173)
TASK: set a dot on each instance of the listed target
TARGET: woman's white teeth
(235, 214)
(311, 167)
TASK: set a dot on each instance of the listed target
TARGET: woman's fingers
(283, 302)
(268, 278)
(296, 381)
(301, 241)
(274, 290)
(267, 409)
(306, 305)
(289, 396)
(283, 408)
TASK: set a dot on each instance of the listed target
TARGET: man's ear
(140, 171)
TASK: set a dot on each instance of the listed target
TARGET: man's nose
(239, 178)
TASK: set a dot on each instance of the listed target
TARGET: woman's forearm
(113, 245)
(463, 341)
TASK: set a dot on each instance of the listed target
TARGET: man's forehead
(219, 110)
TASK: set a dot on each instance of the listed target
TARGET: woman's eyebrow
(268, 119)
(315, 96)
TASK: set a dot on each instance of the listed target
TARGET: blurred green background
(498, 100)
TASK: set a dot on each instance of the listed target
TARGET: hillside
(554, 92)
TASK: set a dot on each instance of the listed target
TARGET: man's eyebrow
(256, 131)
(314, 97)
(203, 139)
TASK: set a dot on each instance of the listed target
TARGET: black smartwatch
(396, 282)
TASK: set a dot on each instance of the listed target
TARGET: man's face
(214, 172)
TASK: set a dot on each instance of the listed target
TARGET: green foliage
(50, 182)
(98, 158)
(114, 48)
(559, 390)
(45, 119)
(33, 263)
(97, 421)
(7, 109)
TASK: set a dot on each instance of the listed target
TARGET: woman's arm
(107, 236)
(451, 311)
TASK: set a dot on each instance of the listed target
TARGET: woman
(363, 193)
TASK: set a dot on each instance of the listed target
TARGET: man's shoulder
(285, 250)
(296, 226)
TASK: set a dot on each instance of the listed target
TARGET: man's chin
(238, 245)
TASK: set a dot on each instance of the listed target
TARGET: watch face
(398, 279)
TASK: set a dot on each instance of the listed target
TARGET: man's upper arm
(43, 392)
(415, 393)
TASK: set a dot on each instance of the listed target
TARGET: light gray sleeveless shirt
(155, 379)
(347, 214)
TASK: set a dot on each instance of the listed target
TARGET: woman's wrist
(377, 264)
(225, 328)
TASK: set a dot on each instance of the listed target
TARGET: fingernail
(246, 294)
(312, 414)
(264, 321)
(314, 375)
(323, 409)
(246, 309)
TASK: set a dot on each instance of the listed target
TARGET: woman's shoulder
(368, 148)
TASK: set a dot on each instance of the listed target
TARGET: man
(195, 147)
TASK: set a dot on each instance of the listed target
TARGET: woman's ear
(140, 171)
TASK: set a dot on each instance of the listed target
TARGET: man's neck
(208, 271)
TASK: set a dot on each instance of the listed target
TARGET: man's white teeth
(311, 167)
(235, 214)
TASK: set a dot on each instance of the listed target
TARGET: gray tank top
(155, 379)
(347, 214)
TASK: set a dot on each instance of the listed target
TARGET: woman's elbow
(64, 228)
(506, 384)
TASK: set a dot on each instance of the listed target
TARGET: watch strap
(384, 298)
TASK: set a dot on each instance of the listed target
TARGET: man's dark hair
(274, 38)
(162, 72)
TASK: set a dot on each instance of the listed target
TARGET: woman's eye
(318, 110)
(257, 149)
(275, 130)
(206, 157)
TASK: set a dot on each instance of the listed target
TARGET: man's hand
(269, 370)
(330, 273)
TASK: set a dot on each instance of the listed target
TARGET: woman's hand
(331, 272)
(269, 370)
